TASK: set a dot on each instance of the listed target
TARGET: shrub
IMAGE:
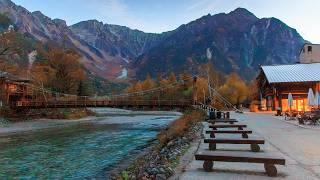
(178, 127)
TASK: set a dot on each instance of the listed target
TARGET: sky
(164, 15)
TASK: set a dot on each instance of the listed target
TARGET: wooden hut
(13, 89)
(275, 82)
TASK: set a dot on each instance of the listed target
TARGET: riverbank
(99, 117)
(162, 158)
(52, 113)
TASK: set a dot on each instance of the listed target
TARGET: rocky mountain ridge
(234, 42)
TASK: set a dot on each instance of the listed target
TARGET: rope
(224, 100)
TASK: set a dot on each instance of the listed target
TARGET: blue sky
(164, 15)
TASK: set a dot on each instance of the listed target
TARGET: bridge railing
(99, 103)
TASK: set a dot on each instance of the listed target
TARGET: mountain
(118, 40)
(106, 49)
(234, 42)
(237, 41)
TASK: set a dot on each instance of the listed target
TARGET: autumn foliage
(164, 88)
(60, 70)
(187, 87)
(235, 89)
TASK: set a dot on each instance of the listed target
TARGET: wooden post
(280, 100)
(275, 99)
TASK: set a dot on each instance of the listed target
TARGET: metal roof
(292, 73)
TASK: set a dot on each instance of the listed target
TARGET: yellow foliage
(201, 89)
(61, 71)
(234, 89)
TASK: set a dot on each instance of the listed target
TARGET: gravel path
(299, 146)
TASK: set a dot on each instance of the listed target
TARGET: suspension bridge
(38, 97)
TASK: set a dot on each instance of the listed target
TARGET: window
(12, 88)
(309, 48)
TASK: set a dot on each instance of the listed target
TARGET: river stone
(170, 170)
(161, 177)
(170, 143)
(161, 170)
(154, 171)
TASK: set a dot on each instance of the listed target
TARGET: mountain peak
(60, 22)
(242, 11)
(38, 13)
(93, 23)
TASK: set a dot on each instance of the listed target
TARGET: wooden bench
(254, 143)
(216, 126)
(243, 132)
(268, 160)
(230, 121)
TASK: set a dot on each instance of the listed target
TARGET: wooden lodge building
(13, 89)
(275, 82)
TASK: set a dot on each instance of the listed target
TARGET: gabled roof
(292, 73)
(12, 77)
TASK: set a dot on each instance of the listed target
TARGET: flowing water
(79, 151)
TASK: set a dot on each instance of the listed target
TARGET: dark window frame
(309, 48)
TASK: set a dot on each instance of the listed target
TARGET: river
(81, 149)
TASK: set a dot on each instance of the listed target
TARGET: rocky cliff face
(234, 42)
(237, 41)
(117, 40)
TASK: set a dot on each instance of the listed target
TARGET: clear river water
(82, 150)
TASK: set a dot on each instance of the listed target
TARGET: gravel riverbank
(161, 162)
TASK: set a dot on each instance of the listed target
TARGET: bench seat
(239, 126)
(230, 121)
(243, 132)
(254, 143)
(268, 160)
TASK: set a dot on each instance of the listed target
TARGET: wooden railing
(100, 103)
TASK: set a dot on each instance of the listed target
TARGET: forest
(186, 86)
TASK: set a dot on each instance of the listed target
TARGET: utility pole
(204, 96)
(209, 84)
